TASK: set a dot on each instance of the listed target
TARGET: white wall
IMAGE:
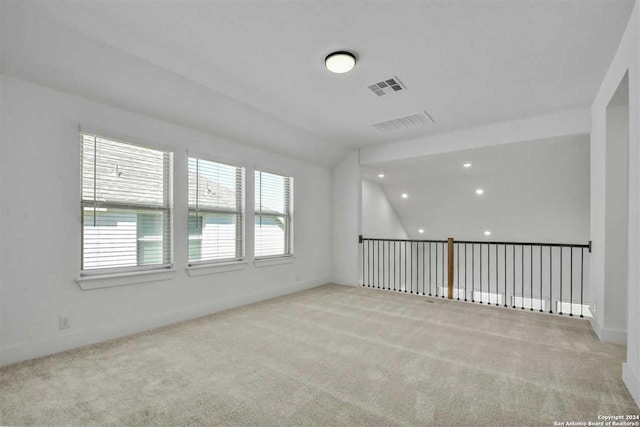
(535, 191)
(40, 227)
(616, 219)
(627, 58)
(563, 123)
(346, 222)
(379, 220)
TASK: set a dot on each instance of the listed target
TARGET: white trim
(631, 381)
(214, 268)
(68, 341)
(268, 262)
(123, 279)
(614, 336)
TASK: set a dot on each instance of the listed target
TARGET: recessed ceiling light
(380, 175)
(479, 191)
(340, 62)
(405, 195)
(467, 165)
(487, 233)
(420, 231)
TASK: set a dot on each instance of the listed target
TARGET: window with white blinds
(273, 215)
(216, 212)
(126, 206)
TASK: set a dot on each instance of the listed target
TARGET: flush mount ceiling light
(487, 233)
(467, 165)
(405, 195)
(380, 175)
(340, 62)
(479, 191)
(421, 231)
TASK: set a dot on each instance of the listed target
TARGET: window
(274, 219)
(216, 212)
(126, 207)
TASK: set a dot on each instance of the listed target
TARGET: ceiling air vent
(414, 120)
(387, 86)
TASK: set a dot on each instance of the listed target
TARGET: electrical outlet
(64, 322)
(595, 307)
(297, 277)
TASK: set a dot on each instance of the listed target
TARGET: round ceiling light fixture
(340, 62)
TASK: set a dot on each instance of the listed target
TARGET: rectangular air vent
(414, 120)
(384, 87)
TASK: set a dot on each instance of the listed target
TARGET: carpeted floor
(330, 356)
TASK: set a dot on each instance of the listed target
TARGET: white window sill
(123, 279)
(268, 262)
(223, 267)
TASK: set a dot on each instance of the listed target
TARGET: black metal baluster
(384, 274)
(378, 261)
(423, 269)
(362, 262)
(400, 266)
(522, 280)
(429, 268)
(458, 261)
(473, 272)
(571, 283)
(370, 266)
(481, 273)
(443, 267)
(497, 278)
(488, 274)
(405, 266)
(388, 266)
(411, 264)
(540, 279)
(417, 273)
(465, 271)
(513, 247)
(561, 271)
(531, 280)
(505, 275)
(436, 269)
(395, 266)
(581, 279)
(550, 279)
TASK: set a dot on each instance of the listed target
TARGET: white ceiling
(533, 191)
(253, 71)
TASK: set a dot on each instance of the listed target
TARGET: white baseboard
(614, 336)
(631, 381)
(45, 347)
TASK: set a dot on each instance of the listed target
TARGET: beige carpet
(331, 356)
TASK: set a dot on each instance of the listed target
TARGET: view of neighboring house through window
(126, 206)
(216, 211)
(273, 215)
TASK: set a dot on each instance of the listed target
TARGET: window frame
(241, 211)
(168, 208)
(289, 217)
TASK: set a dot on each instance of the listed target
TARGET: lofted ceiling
(533, 191)
(254, 72)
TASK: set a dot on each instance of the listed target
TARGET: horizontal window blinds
(273, 214)
(216, 211)
(126, 206)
